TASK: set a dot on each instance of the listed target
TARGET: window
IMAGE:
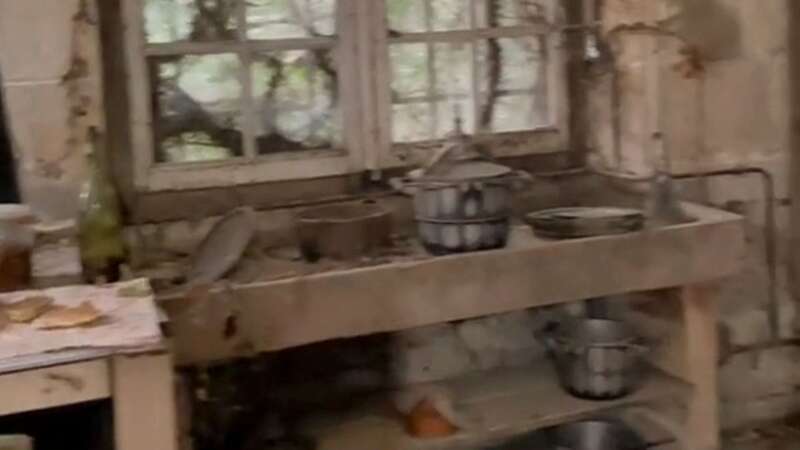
(242, 91)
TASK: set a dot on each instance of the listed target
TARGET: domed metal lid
(468, 170)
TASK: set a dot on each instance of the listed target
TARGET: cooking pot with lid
(462, 199)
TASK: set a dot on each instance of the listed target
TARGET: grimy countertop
(243, 318)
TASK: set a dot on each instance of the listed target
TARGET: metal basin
(597, 359)
(596, 435)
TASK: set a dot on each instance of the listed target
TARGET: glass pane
(449, 15)
(409, 70)
(504, 13)
(197, 108)
(425, 100)
(453, 68)
(417, 16)
(511, 67)
(281, 19)
(412, 122)
(519, 113)
(406, 16)
(296, 98)
(189, 20)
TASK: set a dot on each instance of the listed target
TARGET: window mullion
(476, 72)
(433, 106)
(350, 84)
(246, 78)
(140, 99)
(378, 71)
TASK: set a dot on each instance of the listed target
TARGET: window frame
(362, 54)
(553, 138)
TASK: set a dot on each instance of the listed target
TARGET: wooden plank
(54, 386)
(496, 405)
(472, 35)
(205, 48)
(401, 295)
(702, 353)
(16, 442)
(142, 143)
(235, 172)
(144, 403)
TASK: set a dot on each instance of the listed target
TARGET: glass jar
(16, 246)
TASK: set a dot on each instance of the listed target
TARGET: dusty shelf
(496, 405)
(530, 272)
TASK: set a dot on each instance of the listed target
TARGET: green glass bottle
(100, 221)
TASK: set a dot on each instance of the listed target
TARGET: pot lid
(468, 170)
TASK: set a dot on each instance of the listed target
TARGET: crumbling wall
(51, 74)
(713, 77)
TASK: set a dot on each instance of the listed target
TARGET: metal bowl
(343, 231)
(596, 435)
(597, 359)
(573, 223)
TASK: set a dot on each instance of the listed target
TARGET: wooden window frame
(548, 139)
(362, 52)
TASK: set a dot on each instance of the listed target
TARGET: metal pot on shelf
(596, 358)
(462, 198)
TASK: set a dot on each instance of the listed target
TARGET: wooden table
(679, 267)
(139, 384)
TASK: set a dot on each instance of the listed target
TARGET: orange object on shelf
(426, 422)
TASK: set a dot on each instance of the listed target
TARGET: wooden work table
(681, 264)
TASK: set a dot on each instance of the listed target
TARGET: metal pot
(464, 207)
(596, 435)
(597, 359)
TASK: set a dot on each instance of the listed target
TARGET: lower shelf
(495, 405)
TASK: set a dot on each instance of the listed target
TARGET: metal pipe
(770, 233)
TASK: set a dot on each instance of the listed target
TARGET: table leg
(700, 314)
(143, 395)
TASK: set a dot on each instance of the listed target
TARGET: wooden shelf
(399, 295)
(496, 405)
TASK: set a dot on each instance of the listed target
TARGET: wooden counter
(530, 272)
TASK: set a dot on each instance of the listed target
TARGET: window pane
(189, 20)
(429, 83)
(504, 13)
(409, 70)
(411, 122)
(281, 19)
(197, 108)
(416, 16)
(295, 94)
(406, 16)
(453, 68)
(512, 68)
(449, 15)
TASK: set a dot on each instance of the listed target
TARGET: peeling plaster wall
(734, 112)
(720, 95)
(51, 73)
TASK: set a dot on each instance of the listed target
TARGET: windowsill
(174, 205)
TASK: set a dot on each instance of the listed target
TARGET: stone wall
(51, 74)
(713, 77)
(720, 97)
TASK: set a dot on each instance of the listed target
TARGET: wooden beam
(53, 387)
(494, 406)
(701, 313)
(144, 403)
(16, 442)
